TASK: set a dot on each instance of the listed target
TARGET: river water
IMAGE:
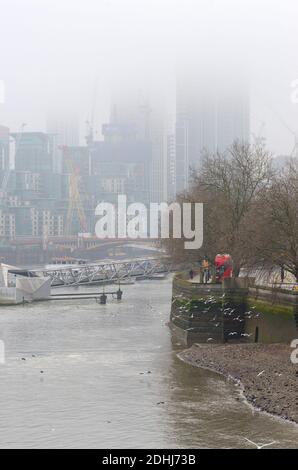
(108, 376)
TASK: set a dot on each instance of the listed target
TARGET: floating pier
(100, 297)
(105, 272)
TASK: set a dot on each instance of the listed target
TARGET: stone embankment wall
(235, 311)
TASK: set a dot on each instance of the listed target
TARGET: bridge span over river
(106, 271)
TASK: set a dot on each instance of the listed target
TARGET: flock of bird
(188, 306)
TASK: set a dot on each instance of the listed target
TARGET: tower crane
(259, 137)
(75, 201)
(90, 126)
(294, 153)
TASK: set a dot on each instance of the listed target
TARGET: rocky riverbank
(268, 377)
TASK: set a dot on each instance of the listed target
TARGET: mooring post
(257, 334)
(103, 297)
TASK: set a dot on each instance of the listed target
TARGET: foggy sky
(52, 52)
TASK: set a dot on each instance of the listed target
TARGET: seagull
(260, 373)
(259, 446)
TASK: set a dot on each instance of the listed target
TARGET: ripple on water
(111, 378)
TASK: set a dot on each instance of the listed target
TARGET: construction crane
(90, 122)
(259, 137)
(74, 199)
(6, 176)
(294, 153)
(90, 126)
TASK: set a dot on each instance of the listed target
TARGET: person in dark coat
(282, 273)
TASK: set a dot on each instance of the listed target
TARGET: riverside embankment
(249, 329)
(265, 371)
(236, 311)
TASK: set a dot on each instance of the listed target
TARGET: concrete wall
(196, 314)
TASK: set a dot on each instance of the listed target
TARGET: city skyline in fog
(54, 55)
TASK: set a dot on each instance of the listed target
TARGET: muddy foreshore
(265, 371)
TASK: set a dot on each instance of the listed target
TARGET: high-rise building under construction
(211, 112)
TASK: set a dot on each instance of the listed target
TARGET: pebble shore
(265, 371)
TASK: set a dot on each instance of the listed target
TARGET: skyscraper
(65, 128)
(211, 112)
(171, 167)
(146, 118)
(4, 148)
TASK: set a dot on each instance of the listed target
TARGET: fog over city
(148, 229)
(54, 54)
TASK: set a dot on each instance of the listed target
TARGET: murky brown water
(111, 378)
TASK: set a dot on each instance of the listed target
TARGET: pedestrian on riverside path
(205, 266)
(191, 274)
(282, 274)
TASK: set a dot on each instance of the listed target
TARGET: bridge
(105, 271)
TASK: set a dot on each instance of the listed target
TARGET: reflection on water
(108, 376)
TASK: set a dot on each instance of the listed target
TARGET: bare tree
(230, 185)
(279, 242)
(236, 179)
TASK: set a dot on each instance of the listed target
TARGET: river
(108, 376)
